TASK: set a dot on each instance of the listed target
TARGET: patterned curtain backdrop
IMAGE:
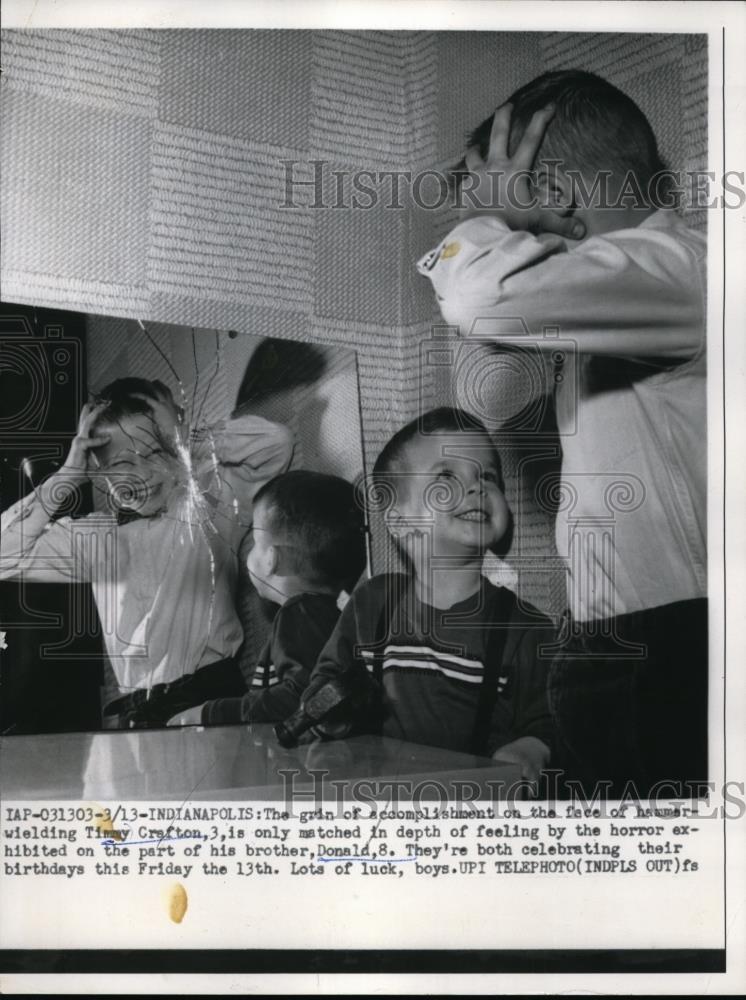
(143, 176)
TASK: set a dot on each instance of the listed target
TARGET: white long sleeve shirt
(631, 406)
(164, 586)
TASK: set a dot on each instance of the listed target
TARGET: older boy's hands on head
(79, 457)
(501, 184)
(529, 753)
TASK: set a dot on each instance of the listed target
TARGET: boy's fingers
(562, 225)
(98, 440)
(472, 159)
(90, 413)
(531, 139)
(93, 442)
(500, 133)
(531, 777)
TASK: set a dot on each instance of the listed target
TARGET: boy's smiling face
(450, 490)
(139, 463)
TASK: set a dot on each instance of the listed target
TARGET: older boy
(454, 657)
(629, 687)
(162, 560)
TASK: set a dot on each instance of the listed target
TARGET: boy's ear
(393, 519)
(398, 526)
(554, 188)
(267, 560)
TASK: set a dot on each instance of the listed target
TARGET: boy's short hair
(128, 397)
(595, 127)
(443, 420)
(317, 516)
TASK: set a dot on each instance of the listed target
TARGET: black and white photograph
(370, 390)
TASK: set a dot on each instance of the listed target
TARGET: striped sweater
(431, 663)
(299, 630)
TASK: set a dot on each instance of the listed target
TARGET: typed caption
(262, 840)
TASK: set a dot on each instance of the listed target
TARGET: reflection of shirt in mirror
(164, 585)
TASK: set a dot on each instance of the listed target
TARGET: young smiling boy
(572, 229)
(453, 659)
(162, 559)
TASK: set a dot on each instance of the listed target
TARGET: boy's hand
(530, 753)
(500, 184)
(78, 459)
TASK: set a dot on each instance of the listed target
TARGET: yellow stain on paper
(177, 902)
(450, 250)
(105, 825)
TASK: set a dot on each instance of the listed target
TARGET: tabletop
(238, 762)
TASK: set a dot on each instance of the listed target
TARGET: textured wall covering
(142, 176)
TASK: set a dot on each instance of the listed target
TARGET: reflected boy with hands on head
(161, 558)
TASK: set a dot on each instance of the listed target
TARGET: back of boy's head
(129, 397)
(318, 518)
(595, 127)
